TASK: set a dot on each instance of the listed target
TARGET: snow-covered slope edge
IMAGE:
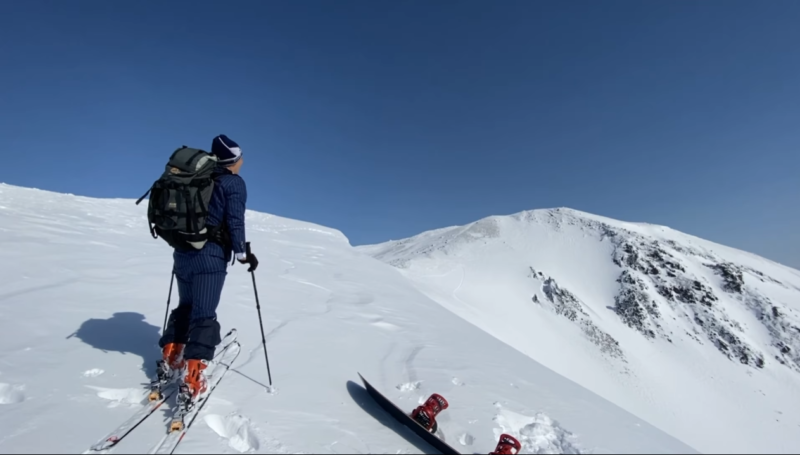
(700, 339)
(82, 301)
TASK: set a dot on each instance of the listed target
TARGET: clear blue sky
(384, 119)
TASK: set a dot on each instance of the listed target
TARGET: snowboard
(406, 420)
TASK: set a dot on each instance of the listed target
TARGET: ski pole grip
(247, 248)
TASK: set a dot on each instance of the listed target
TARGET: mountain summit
(700, 339)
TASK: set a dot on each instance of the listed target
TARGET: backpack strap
(139, 201)
(149, 224)
(191, 216)
(219, 234)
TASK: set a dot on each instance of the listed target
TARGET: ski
(170, 442)
(125, 428)
(165, 391)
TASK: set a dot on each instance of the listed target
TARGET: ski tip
(103, 446)
(98, 449)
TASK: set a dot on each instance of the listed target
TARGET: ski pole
(169, 297)
(260, 321)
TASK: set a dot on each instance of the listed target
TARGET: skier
(192, 333)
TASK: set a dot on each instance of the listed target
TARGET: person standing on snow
(193, 332)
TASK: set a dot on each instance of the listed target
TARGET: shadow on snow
(127, 333)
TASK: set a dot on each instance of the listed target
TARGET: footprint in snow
(93, 373)
(236, 429)
(466, 439)
(118, 397)
(11, 394)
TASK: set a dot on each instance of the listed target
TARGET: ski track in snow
(410, 370)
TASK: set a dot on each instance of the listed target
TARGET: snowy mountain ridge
(641, 296)
(646, 265)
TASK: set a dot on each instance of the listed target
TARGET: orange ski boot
(173, 355)
(195, 378)
(171, 362)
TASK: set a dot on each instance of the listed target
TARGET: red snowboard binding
(425, 415)
(508, 445)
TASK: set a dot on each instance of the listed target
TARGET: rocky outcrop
(731, 275)
(648, 263)
(657, 280)
(566, 304)
(635, 307)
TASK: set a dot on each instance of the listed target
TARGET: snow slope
(700, 340)
(82, 301)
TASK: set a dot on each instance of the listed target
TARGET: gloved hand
(252, 260)
(249, 258)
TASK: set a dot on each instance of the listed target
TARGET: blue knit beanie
(226, 151)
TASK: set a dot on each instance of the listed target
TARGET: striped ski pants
(201, 278)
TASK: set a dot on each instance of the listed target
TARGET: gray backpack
(179, 199)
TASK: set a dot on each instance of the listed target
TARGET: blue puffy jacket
(227, 205)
